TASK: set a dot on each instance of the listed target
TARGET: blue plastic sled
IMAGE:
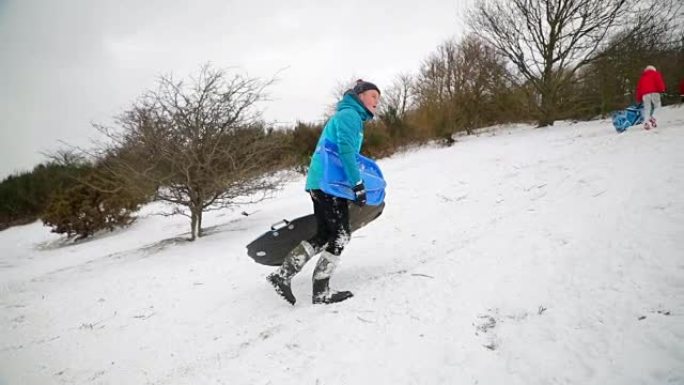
(334, 180)
(628, 117)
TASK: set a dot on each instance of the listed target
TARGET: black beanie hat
(363, 86)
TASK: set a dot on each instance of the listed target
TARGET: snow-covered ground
(523, 256)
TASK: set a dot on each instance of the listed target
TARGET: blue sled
(334, 181)
(628, 117)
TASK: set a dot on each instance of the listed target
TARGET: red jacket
(651, 81)
(681, 87)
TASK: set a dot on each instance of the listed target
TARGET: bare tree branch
(199, 143)
(549, 41)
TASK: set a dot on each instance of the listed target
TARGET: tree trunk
(199, 222)
(193, 224)
(547, 108)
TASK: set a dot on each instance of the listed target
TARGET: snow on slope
(522, 256)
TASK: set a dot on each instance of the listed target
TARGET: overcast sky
(67, 63)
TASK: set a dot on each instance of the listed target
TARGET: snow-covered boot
(321, 279)
(647, 125)
(282, 287)
(293, 263)
(323, 295)
(653, 122)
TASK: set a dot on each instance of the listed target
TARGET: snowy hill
(522, 256)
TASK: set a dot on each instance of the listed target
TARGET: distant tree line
(199, 144)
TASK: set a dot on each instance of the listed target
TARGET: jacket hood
(351, 101)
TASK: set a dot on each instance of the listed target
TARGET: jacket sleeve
(348, 130)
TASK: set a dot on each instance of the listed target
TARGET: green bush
(23, 197)
(84, 209)
(303, 142)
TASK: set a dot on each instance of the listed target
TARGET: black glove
(360, 193)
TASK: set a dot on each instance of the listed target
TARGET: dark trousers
(332, 218)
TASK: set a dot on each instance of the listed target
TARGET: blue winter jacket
(345, 129)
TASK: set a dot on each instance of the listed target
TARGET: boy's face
(370, 99)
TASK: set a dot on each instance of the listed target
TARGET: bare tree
(199, 144)
(436, 83)
(483, 80)
(548, 41)
(462, 86)
(67, 156)
(336, 94)
(436, 86)
(398, 98)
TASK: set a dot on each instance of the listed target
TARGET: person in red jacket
(648, 91)
(681, 89)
